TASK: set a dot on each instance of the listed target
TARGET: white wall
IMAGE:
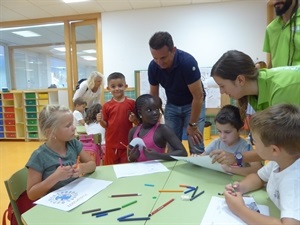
(205, 30)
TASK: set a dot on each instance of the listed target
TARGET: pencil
(134, 219)
(161, 207)
(184, 185)
(123, 144)
(197, 195)
(60, 162)
(170, 190)
(91, 210)
(128, 204)
(126, 216)
(125, 195)
(106, 211)
(194, 192)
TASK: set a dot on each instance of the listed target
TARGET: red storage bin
(8, 96)
(10, 135)
(9, 122)
(9, 109)
(10, 128)
(9, 115)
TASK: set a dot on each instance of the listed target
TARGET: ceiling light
(73, 1)
(34, 26)
(90, 51)
(89, 58)
(60, 49)
(26, 33)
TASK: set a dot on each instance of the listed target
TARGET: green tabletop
(178, 212)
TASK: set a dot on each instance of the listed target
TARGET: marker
(170, 190)
(186, 186)
(135, 219)
(106, 211)
(161, 207)
(60, 162)
(194, 192)
(125, 195)
(189, 190)
(101, 214)
(77, 162)
(149, 185)
(92, 210)
(126, 216)
(196, 196)
(128, 204)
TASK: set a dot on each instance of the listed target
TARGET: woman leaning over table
(90, 90)
(237, 76)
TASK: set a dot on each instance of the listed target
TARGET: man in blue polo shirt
(178, 73)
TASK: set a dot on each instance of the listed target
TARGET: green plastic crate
(31, 115)
(32, 128)
(33, 135)
(31, 122)
(30, 102)
(30, 109)
(29, 95)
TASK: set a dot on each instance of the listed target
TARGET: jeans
(178, 118)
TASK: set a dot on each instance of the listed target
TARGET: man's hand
(194, 134)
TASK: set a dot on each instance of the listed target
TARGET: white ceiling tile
(114, 5)
(9, 15)
(86, 7)
(175, 2)
(60, 10)
(142, 4)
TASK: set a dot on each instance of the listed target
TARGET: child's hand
(195, 155)
(132, 118)
(234, 202)
(64, 172)
(99, 116)
(133, 154)
(232, 188)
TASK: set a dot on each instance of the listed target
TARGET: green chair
(15, 186)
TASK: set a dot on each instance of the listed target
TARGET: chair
(15, 186)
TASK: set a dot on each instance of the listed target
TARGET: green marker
(128, 204)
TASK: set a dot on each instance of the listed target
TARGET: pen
(125, 195)
(186, 186)
(188, 191)
(170, 190)
(60, 162)
(149, 185)
(77, 162)
(126, 216)
(101, 214)
(90, 211)
(194, 192)
(197, 195)
(134, 219)
(128, 204)
(161, 207)
(106, 211)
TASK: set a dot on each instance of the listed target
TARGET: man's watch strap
(193, 124)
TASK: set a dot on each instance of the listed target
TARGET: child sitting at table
(229, 123)
(92, 126)
(276, 136)
(156, 136)
(60, 159)
(78, 113)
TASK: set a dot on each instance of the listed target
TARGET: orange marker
(77, 162)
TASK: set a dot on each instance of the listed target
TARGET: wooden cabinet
(19, 111)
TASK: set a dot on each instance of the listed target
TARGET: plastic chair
(15, 186)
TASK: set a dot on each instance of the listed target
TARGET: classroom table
(177, 213)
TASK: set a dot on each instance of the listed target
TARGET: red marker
(161, 207)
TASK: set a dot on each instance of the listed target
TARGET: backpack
(23, 204)
(79, 82)
(90, 147)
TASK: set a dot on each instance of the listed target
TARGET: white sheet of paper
(218, 212)
(204, 161)
(73, 194)
(140, 168)
(137, 141)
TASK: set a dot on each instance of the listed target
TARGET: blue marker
(149, 185)
(101, 214)
(126, 216)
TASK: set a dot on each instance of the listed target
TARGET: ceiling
(12, 10)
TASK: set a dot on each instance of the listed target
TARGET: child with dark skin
(155, 135)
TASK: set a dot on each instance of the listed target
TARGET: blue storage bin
(1, 128)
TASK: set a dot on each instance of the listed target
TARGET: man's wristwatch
(194, 125)
(239, 158)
